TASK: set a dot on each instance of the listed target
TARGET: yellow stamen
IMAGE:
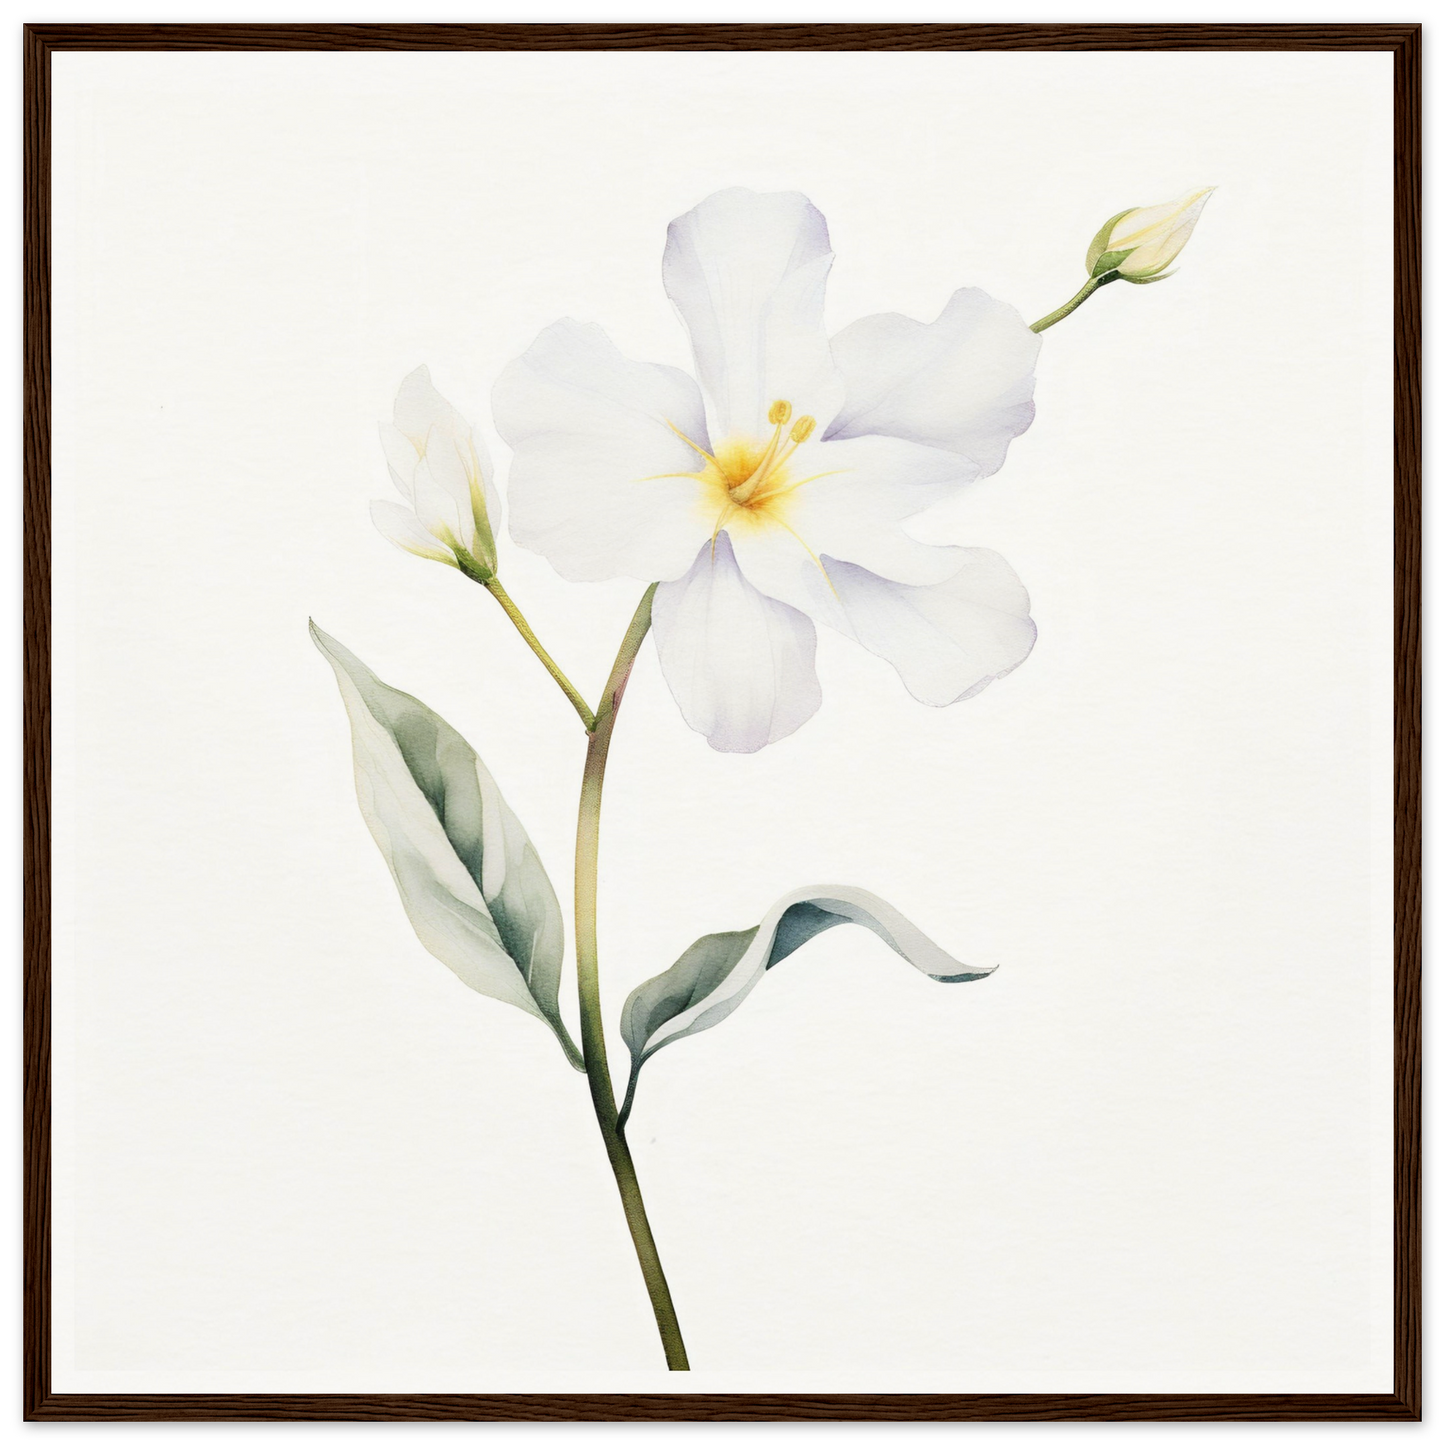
(716, 528)
(773, 467)
(684, 437)
(788, 490)
(780, 414)
(753, 482)
(764, 465)
(817, 560)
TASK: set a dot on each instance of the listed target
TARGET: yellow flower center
(750, 481)
(751, 475)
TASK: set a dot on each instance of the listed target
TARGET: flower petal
(421, 410)
(848, 503)
(441, 494)
(401, 458)
(964, 382)
(601, 483)
(746, 273)
(947, 641)
(739, 664)
(1157, 234)
(400, 525)
(437, 431)
(440, 466)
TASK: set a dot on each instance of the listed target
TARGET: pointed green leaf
(714, 976)
(470, 880)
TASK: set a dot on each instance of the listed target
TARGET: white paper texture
(1150, 1153)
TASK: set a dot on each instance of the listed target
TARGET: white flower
(1141, 243)
(442, 471)
(770, 493)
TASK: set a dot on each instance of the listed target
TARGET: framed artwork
(529, 529)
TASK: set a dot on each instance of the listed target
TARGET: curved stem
(594, 1041)
(626, 1109)
(1074, 302)
(494, 586)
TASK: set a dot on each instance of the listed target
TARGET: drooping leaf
(719, 971)
(470, 880)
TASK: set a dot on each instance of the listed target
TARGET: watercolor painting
(763, 495)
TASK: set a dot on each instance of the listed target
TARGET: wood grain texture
(721, 1407)
(1408, 487)
(41, 41)
(36, 773)
(723, 37)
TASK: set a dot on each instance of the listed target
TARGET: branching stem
(594, 1040)
(494, 586)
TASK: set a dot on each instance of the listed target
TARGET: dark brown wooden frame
(41, 41)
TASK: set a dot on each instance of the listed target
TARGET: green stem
(589, 998)
(1073, 304)
(493, 585)
(626, 1109)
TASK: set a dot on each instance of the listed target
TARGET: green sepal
(484, 547)
(1101, 240)
(1111, 261)
(468, 565)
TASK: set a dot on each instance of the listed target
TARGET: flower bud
(441, 469)
(1140, 243)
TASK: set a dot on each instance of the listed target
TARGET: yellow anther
(779, 412)
(802, 429)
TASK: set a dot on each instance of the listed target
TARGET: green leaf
(717, 972)
(470, 880)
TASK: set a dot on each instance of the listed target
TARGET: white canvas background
(1150, 1153)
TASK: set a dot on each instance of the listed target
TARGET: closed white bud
(441, 470)
(1140, 244)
